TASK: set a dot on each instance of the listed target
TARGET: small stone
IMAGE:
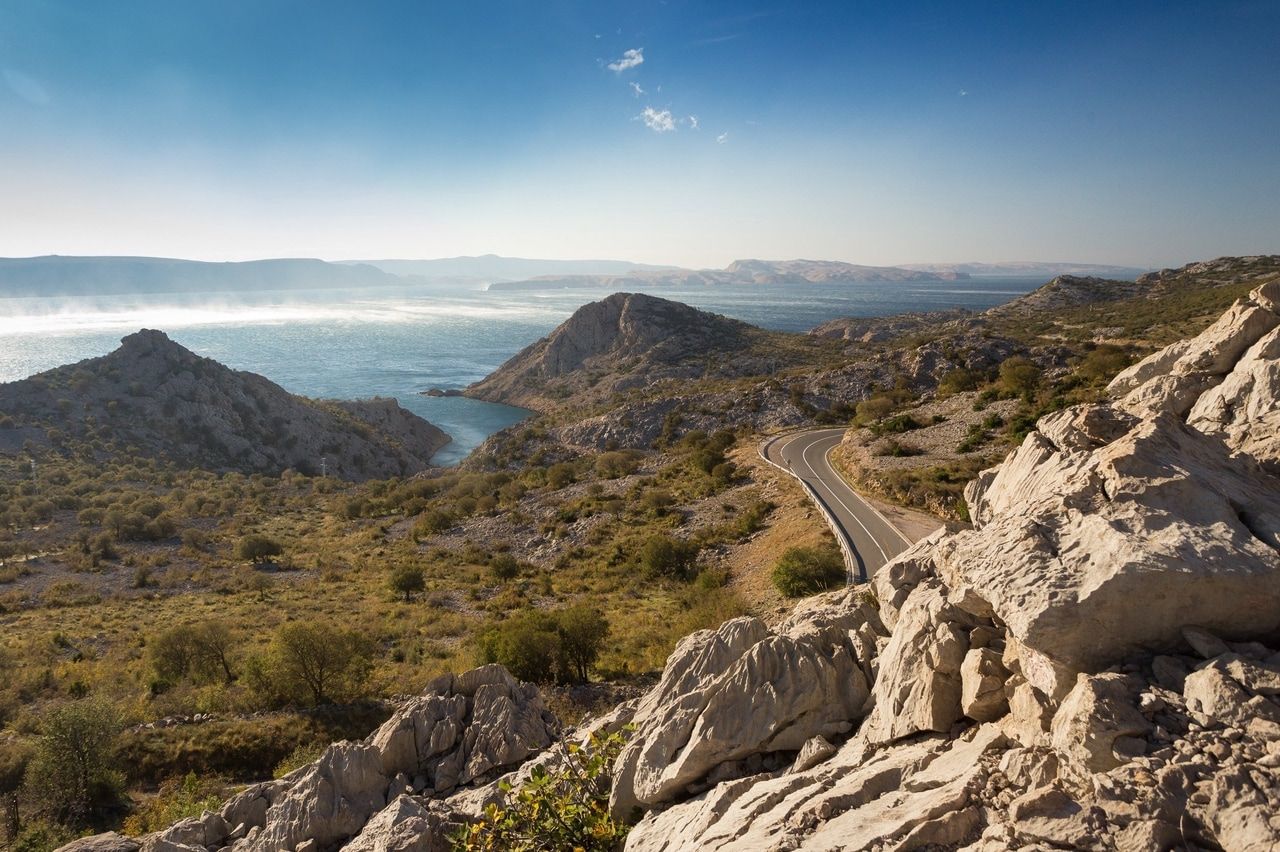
(1219, 749)
(1204, 643)
(1127, 748)
(1150, 703)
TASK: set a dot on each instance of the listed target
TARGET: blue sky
(1135, 133)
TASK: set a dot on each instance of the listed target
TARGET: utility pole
(324, 466)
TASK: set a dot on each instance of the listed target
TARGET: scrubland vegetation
(202, 630)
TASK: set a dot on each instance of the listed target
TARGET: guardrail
(854, 571)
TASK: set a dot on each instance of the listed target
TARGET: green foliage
(259, 548)
(958, 380)
(895, 448)
(313, 663)
(407, 580)
(200, 652)
(72, 773)
(434, 522)
(663, 556)
(617, 463)
(177, 798)
(896, 425)
(298, 758)
(802, 571)
(563, 806)
(504, 567)
(1102, 363)
(1019, 376)
(546, 646)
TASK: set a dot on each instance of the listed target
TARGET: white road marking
(805, 455)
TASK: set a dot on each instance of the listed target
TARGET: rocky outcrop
(154, 397)
(1080, 670)
(382, 794)
(626, 341)
(737, 698)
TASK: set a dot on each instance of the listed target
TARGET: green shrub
(407, 580)
(663, 556)
(504, 567)
(72, 773)
(618, 463)
(805, 571)
(177, 798)
(200, 652)
(259, 548)
(544, 647)
(563, 805)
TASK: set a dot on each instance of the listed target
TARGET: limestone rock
(328, 803)
(918, 687)
(402, 826)
(106, 842)
(982, 679)
(741, 691)
(1093, 715)
(1203, 642)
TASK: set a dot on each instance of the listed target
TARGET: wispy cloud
(963, 93)
(27, 88)
(635, 87)
(630, 59)
(703, 42)
(722, 138)
(693, 122)
(659, 121)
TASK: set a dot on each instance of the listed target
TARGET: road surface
(872, 539)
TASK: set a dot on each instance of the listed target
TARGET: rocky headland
(152, 398)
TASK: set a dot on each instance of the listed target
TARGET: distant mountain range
(740, 272)
(491, 267)
(1032, 269)
(56, 275)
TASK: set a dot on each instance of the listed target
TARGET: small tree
(527, 645)
(805, 571)
(201, 652)
(408, 579)
(504, 567)
(72, 773)
(318, 663)
(259, 548)
(1019, 376)
(582, 632)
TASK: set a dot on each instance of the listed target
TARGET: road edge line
(851, 565)
(872, 506)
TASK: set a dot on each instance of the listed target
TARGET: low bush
(802, 571)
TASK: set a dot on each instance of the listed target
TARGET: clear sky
(657, 130)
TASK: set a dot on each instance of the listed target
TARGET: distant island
(740, 272)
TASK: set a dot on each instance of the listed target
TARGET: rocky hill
(629, 340)
(154, 398)
(1092, 666)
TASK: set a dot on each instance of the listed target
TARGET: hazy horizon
(659, 133)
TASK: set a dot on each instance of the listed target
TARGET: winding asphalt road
(871, 539)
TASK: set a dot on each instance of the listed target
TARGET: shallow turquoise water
(400, 341)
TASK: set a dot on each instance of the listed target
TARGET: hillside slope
(995, 688)
(153, 397)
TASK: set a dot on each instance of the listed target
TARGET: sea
(404, 340)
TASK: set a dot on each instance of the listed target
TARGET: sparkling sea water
(400, 341)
